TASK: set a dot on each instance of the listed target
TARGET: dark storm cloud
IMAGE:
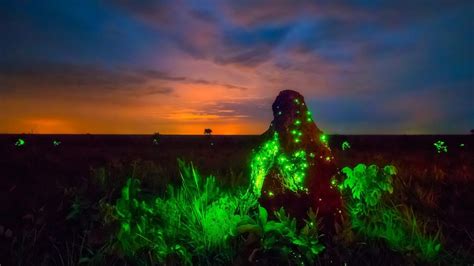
(60, 78)
(167, 77)
(252, 109)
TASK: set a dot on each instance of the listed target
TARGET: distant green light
(461, 145)
(56, 143)
(346, 145)
(297, 122)
(441, 146)
(20, 142)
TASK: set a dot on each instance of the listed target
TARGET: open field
(40, 183)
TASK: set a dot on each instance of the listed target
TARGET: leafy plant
(441, 146)
(367, 184)
(281, 236)
(374, 218)
(345, 145)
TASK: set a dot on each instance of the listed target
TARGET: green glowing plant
(194, 222)
(262, 162)
(292, 168)
(368, 184)
(281, 236)
(440, 146)
(20, 142)
(345, 145)
(373, 218)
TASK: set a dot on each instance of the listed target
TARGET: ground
(41, 181)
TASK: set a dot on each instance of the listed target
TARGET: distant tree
(207, 131)
(472, 131)
(156, 138)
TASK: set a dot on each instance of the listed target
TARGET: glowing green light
(297, 101)
(263, 161)
(346, 145)
(461, 145)
(20, 142)
(312, 155)
(297, 122)
(293, 168)
(270, 194)
(441, 146)
(56, 143)
(279, 113)
(324, 139)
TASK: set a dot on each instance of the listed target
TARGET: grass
(83, 228)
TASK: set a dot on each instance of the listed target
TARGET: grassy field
(57, 201)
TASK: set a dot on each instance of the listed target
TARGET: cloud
(61, 79)
(215, 60)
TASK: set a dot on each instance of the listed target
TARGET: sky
(179, 66)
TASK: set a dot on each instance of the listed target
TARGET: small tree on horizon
(207, 131)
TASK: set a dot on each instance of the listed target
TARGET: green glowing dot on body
(297, 122)
(292, 168)
(324, 139)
